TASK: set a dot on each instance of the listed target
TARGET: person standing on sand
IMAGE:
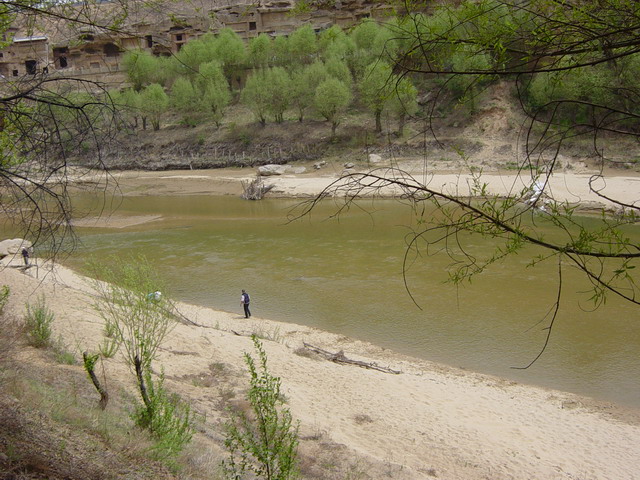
(244, 300)
(25, 255)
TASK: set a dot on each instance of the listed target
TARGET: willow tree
(216, 94)
(376, 89)
(534, 44)
(268, 91)
(154, 102)
(141, 68)
(304, 82)
(332, 97)
(132, 300)
(186, 100)
(259, 51)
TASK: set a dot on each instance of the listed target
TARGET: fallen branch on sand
(340, 357)
(179, 316)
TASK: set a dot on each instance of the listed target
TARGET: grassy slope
(50, 426)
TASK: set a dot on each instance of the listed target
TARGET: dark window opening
(60, 57)
(252, 26)
(149, 40)
(31, 65)
(14, 73)
(178, 38)
(111, 50)
(86, 37)
(1, 54)
(45, 70)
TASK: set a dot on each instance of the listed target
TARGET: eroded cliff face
(52, 46)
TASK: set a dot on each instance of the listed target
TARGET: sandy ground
(430, 421)
(569, 186)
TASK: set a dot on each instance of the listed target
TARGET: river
(345, 275)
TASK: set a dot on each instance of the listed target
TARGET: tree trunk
(104, 395)
(378, 121)
(401, 121)
(141, 385)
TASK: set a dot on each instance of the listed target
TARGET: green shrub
(169, 420)
(109, 347)
(38, 323)
(65, 357)
(61, 352)
(110, 329)
(264, 443)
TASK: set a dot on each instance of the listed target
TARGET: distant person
(25, 255)
(244, 300)
(154, 297)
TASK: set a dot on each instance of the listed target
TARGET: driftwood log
(178, 316)
(255, 189)
(340, 357)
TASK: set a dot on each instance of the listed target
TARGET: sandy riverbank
(569, 186)
(430, 421)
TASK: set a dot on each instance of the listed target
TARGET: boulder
(374, 158)
(269, 170)
(13, 246)
(319, 165)
(349, 165)
(295, 170)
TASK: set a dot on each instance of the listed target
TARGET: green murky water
(345, 276)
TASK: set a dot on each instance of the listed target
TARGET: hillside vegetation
(221, 102)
